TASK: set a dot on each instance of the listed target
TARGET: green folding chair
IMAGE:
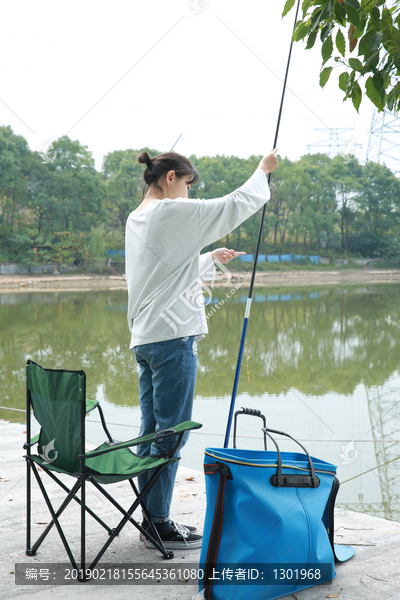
(59, 403)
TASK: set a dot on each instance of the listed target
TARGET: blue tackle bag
(268, 528)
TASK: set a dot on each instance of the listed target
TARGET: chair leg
(167, 554)
(61, 509)
(53, 514)
(127, 516)
(117, 529)
(156, 540)
(83, 523)
(81, 484)
(66, 489)
(28, 551)
(147, 514)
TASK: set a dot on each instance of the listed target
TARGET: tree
(373, 29)
(378, 209)
(347, 179)
(123, 176)
(44, 207)
(221, 175)
(321, 201)
(251, 229)
(65, 194)
(393, 241)
(289, 187)
(42, 204)
(14, 153)
(77, 186)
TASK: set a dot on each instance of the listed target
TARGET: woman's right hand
(269, 163)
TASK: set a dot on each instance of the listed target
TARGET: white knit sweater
(164, 268)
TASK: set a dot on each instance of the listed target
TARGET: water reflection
(322, 364)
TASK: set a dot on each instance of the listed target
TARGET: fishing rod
(176, 142)
(249, 299)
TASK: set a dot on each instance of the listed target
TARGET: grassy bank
(291, 266)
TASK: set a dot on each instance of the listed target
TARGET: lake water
(321, 364)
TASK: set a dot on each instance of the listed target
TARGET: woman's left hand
(224, 255)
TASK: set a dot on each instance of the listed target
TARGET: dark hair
(161, 164)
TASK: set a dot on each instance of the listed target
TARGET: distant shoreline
(11, 284)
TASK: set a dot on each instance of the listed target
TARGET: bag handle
(254, 413)
(295, 480)
(216, 529)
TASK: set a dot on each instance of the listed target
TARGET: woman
(166, 315)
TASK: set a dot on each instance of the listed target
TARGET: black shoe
(178, 538)
(145, 525)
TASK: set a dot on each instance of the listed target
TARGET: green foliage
(68, 247)
(324, 76)
(288, 6)
(20, 249)
(64, 211)
(340, 42)
(373, 28)
(122, 175)
(97, 245)
(350, 264)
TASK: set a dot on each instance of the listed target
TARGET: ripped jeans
(167, 380)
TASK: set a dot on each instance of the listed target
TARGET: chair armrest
(34, 441)
(146, 439)
(90, 405)
(163, 433)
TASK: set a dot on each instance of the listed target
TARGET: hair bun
(145, 159)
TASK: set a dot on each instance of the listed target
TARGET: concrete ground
(373, 574)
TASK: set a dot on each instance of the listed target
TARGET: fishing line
(247, 437)
(247, 312)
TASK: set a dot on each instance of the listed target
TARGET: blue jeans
(167, 380)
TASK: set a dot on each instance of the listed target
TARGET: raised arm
(218, 217)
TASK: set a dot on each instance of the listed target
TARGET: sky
(135, 74)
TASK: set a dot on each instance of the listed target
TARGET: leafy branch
(369, 26)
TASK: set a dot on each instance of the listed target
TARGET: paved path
(373, 574)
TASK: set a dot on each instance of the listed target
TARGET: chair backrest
(58, 401)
